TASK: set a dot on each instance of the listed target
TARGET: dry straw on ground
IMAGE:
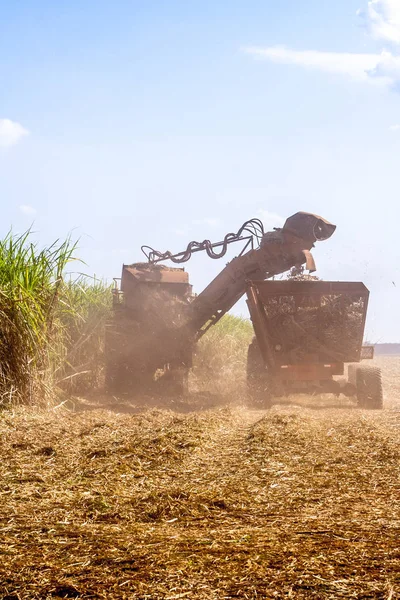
(296, 502)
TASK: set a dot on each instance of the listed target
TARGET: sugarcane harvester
(157, 320)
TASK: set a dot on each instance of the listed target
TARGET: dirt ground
(207, 501)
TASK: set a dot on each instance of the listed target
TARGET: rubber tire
(369, 388)
(258, 385)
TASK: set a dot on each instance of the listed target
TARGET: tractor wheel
(369, 387)
(258, 384)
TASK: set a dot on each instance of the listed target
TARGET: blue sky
(162, 122)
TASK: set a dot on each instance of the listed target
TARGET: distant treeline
(381, 349)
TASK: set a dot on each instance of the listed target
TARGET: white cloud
(381, 69)
(26, 209)
(11, 133)
(374, 68)
(270, 219)
(384, 20)
(394, 128)
(387, 69)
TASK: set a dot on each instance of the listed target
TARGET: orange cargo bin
(307, 330)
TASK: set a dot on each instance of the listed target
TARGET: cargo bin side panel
(308, 322)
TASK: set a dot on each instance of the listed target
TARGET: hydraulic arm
(278, 251)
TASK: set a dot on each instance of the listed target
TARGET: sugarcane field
(155, 446)
(199, 300)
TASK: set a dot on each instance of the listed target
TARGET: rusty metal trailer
(305, 333)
